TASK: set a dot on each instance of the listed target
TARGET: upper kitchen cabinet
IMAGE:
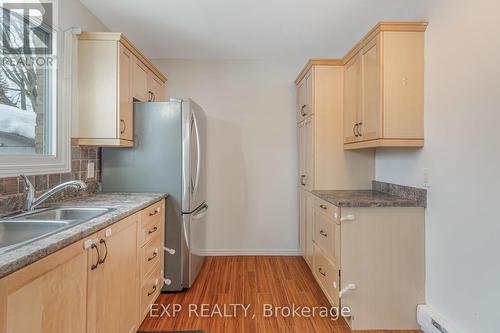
(112, 74)
(304, 97)
(384, 88)
(323, 163)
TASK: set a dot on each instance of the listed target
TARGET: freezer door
(194, 225)
(194, 163)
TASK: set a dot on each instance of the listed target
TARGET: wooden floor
(280, 281)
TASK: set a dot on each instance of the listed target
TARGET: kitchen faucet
(30, 202)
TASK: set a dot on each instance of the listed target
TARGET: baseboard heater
(431, 322)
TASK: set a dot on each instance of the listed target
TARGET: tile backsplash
(12, 188)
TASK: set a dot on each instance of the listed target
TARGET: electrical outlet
(90, 170)
(427, 177)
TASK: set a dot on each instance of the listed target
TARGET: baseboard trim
(250, 252)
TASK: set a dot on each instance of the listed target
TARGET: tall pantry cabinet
(323, 162)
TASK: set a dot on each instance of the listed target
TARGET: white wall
(462, 117)
(252, 151)
(73, 14)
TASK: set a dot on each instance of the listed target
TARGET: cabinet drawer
(151, 255)
(151, 288)
(327, 208)
(152, 214)
(327, 275)
(152, 219)
(326, 236)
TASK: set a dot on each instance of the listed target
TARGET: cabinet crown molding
(317, 62)
(403, 26)
(417, 26)
(120, 37)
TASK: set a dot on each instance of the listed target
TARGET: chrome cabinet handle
(103, 260)
(94, 266)
(155, 253)
(152, 291)
(152, 230)
(322, 233)
(323, 207)
(302, 182)
(123, 126)
(320, 270)
(302, 112)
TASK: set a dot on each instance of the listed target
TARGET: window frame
(60, 159)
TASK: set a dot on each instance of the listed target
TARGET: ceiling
(249, 29)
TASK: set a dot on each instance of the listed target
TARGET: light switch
(91, 170)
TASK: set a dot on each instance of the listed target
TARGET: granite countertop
(366, 198)
(123, 204)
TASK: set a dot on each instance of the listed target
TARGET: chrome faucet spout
(31, 202)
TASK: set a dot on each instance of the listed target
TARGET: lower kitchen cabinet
(49, 296)
(382, 257)
(95, 285)
(306, 225)
(113, 286)
(369, 259)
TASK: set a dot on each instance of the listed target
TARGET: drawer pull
(152, 230)
(152, 291)
(155, 253)
(156, 211)
(323, 207)
(322, 233)
(320, 270)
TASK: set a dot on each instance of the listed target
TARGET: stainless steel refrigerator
(168, 156)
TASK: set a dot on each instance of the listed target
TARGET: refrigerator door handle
(186, 236)
(201, 212)
(194, 185)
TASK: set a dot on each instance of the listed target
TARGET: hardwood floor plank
(253, 281)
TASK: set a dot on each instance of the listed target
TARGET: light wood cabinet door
(305, 98)
(309, 95)
(125, 126)
(302, 154)
(114, 285)
(306, 154)
(48, 296)
(302, 221)
(309, 153)
(156, 88)
(352, 98)
(369, 124)
(139, 80)
(301, 99)
(309, 205)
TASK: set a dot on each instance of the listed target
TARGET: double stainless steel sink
(28, 227)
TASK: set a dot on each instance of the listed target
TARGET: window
(34, 130)
(25, 98)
